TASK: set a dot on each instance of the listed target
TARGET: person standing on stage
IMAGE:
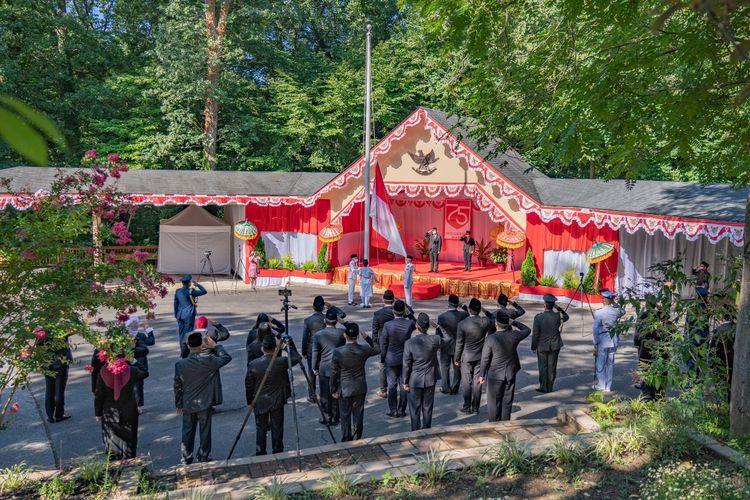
(604, 342)
(185, 309)
(269, 407)
(515, 313)
(194, 388)
(450, 373)
(323, 344)
(546, 341)
(352, 279)
(313, 324)
(421, 373)
(395, 334)
(469, 245)
(408, 280)
(434, 245)
(366, 277)
(143, 340)
(349, 380)
(500, 364)
(218, 333)
(470, 336)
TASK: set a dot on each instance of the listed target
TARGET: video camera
(285, 292)
(207, 253)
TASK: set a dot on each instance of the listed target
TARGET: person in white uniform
(366, 277)
(408, 280)
(353, 273)
(604, 342)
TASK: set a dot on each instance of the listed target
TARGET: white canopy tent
(184, 239)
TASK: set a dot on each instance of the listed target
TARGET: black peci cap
(423, 321)
(475, 305)
(195, 339)
(453, 300)
(399, 306)
(351, 329)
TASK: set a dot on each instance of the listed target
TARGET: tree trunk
(215, 30)
(740, 405)
(592, 169)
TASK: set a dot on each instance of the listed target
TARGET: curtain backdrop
(639, 251)
(290, 218)
(301, 246)
(556, 262)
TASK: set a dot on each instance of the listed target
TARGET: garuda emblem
(423, 162)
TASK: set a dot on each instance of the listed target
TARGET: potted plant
(482, 252)
(528, 270)
(423, 247)
(500, 257)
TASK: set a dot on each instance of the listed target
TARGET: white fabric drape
(557, 262)
(301, 246)
(184, 239)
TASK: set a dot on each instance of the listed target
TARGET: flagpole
(368, 91)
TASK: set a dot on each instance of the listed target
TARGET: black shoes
(58, 419)
(467, 411)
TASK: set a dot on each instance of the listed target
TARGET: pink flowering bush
(60, 281)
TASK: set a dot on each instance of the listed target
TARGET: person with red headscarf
(116, 407)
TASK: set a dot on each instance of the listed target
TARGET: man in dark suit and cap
(379, 319)
(450, 374)
(500, 364)
(185, 309)
(218, 333)
(324, 343)
(470, 337)
(349, 380)
(395, 334)
(272, 396)
(546, 341)
(194, 388)
(421, 373)
(516, 312)
(313, 324)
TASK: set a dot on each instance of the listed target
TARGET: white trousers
(350, 296)
(407, 296)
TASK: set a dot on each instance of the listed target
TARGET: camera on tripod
(285, 292)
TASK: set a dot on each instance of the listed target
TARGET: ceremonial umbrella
(330, 233)
(245, 230)
(599, 251)
(510, 238)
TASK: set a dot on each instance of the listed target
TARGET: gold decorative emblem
(423, 162)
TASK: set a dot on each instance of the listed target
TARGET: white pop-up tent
(185, 238)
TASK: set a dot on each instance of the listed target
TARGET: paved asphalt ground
(32, 440)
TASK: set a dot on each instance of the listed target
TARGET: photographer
(546, 340)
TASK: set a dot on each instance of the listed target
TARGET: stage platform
(480, 282)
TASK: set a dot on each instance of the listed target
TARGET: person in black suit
(313, 324)
(448, 324)
(395, 334)
(379, 319)
(56, 378)
(349, 380)
(500, 364)
(324, 343)
(276, 325)
(516, 312)
(470, 337)
(269, 407)
(218, 333)
(194, 393)
(421, 373)
(546, 341)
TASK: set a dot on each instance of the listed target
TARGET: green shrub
(687, 480)
(274, 263)
(93, 469)
(288, 263)
(434, 467)
(615, 444)
(16, 477)
(323, 265)
(570, 279)
(566, 454)
(147, 485)
(57, 488)
(510, 458)
(588, 281)
(547, 280)
(271, 491)
(339, 483)
(260, 248)
(528, 270)
(308, 266)
(604, 413)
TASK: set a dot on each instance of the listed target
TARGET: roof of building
(718, 202)
(300, 184)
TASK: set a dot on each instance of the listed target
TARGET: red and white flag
(383, 222)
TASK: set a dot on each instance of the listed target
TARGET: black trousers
(330, 406)
(396, 393)
(383, 378)
(311, 387)
(500, 398)
(352, 417)
(547, 361)
(470, 387)
(273, 421)
(190, 422)
(449, 373)
(420, 407)
(54, 394)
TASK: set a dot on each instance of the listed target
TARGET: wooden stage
(480, 282)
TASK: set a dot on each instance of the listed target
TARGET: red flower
(28, 255)
(140, 256)
(111, 258)
(124, 239)
(163, 292)
(40, 334)
(122, 317)
(91, 153)
(25, 353)
(14, 408)
(89, 368)
(113, 157)
(102, 356)
(109, 215)
(132, 310)
(118, 366)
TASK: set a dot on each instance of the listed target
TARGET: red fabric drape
(290, 218)
(555, 235)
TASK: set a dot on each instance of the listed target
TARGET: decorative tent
(184, 239)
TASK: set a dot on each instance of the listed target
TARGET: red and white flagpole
(368, 91)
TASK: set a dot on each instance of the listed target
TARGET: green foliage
(57, 488)
(271, 491)
(288, 263)
(675, 481)
(571, 280)
(510, 458)
(340, 483)
(588, 281)
(499, 255)
(200, 494)
(274, 263)
(603, 412)
(547, 280)
(15, 478)
(423, 247)
(566, 454)
(93, 469)
(323, 265)
(528, 270)
(483, 250)
(308, 266)
(147, 485)
(260, 249)
(27, 131)
(434, 467)
(615, 444)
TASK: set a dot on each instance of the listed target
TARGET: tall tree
(215, 15)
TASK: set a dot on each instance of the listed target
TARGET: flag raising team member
(185, 309)
(352, 278)
(366, 277)
(408, 280)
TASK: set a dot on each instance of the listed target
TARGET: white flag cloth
(382, 217)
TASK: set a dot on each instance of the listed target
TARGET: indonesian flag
(383, 222)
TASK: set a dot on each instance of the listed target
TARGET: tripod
(240, 265)
(581, 291)
(206, 261)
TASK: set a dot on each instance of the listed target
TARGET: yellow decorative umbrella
(245, 230)
(511, 239)
(330, 233)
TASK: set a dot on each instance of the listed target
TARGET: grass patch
(340, 483)
(510, 458)
(15, 478)
(271, 491)
(57, 488)
(434, 467)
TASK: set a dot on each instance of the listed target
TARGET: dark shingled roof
(717, 202)
(31, 179)
(510, 163)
